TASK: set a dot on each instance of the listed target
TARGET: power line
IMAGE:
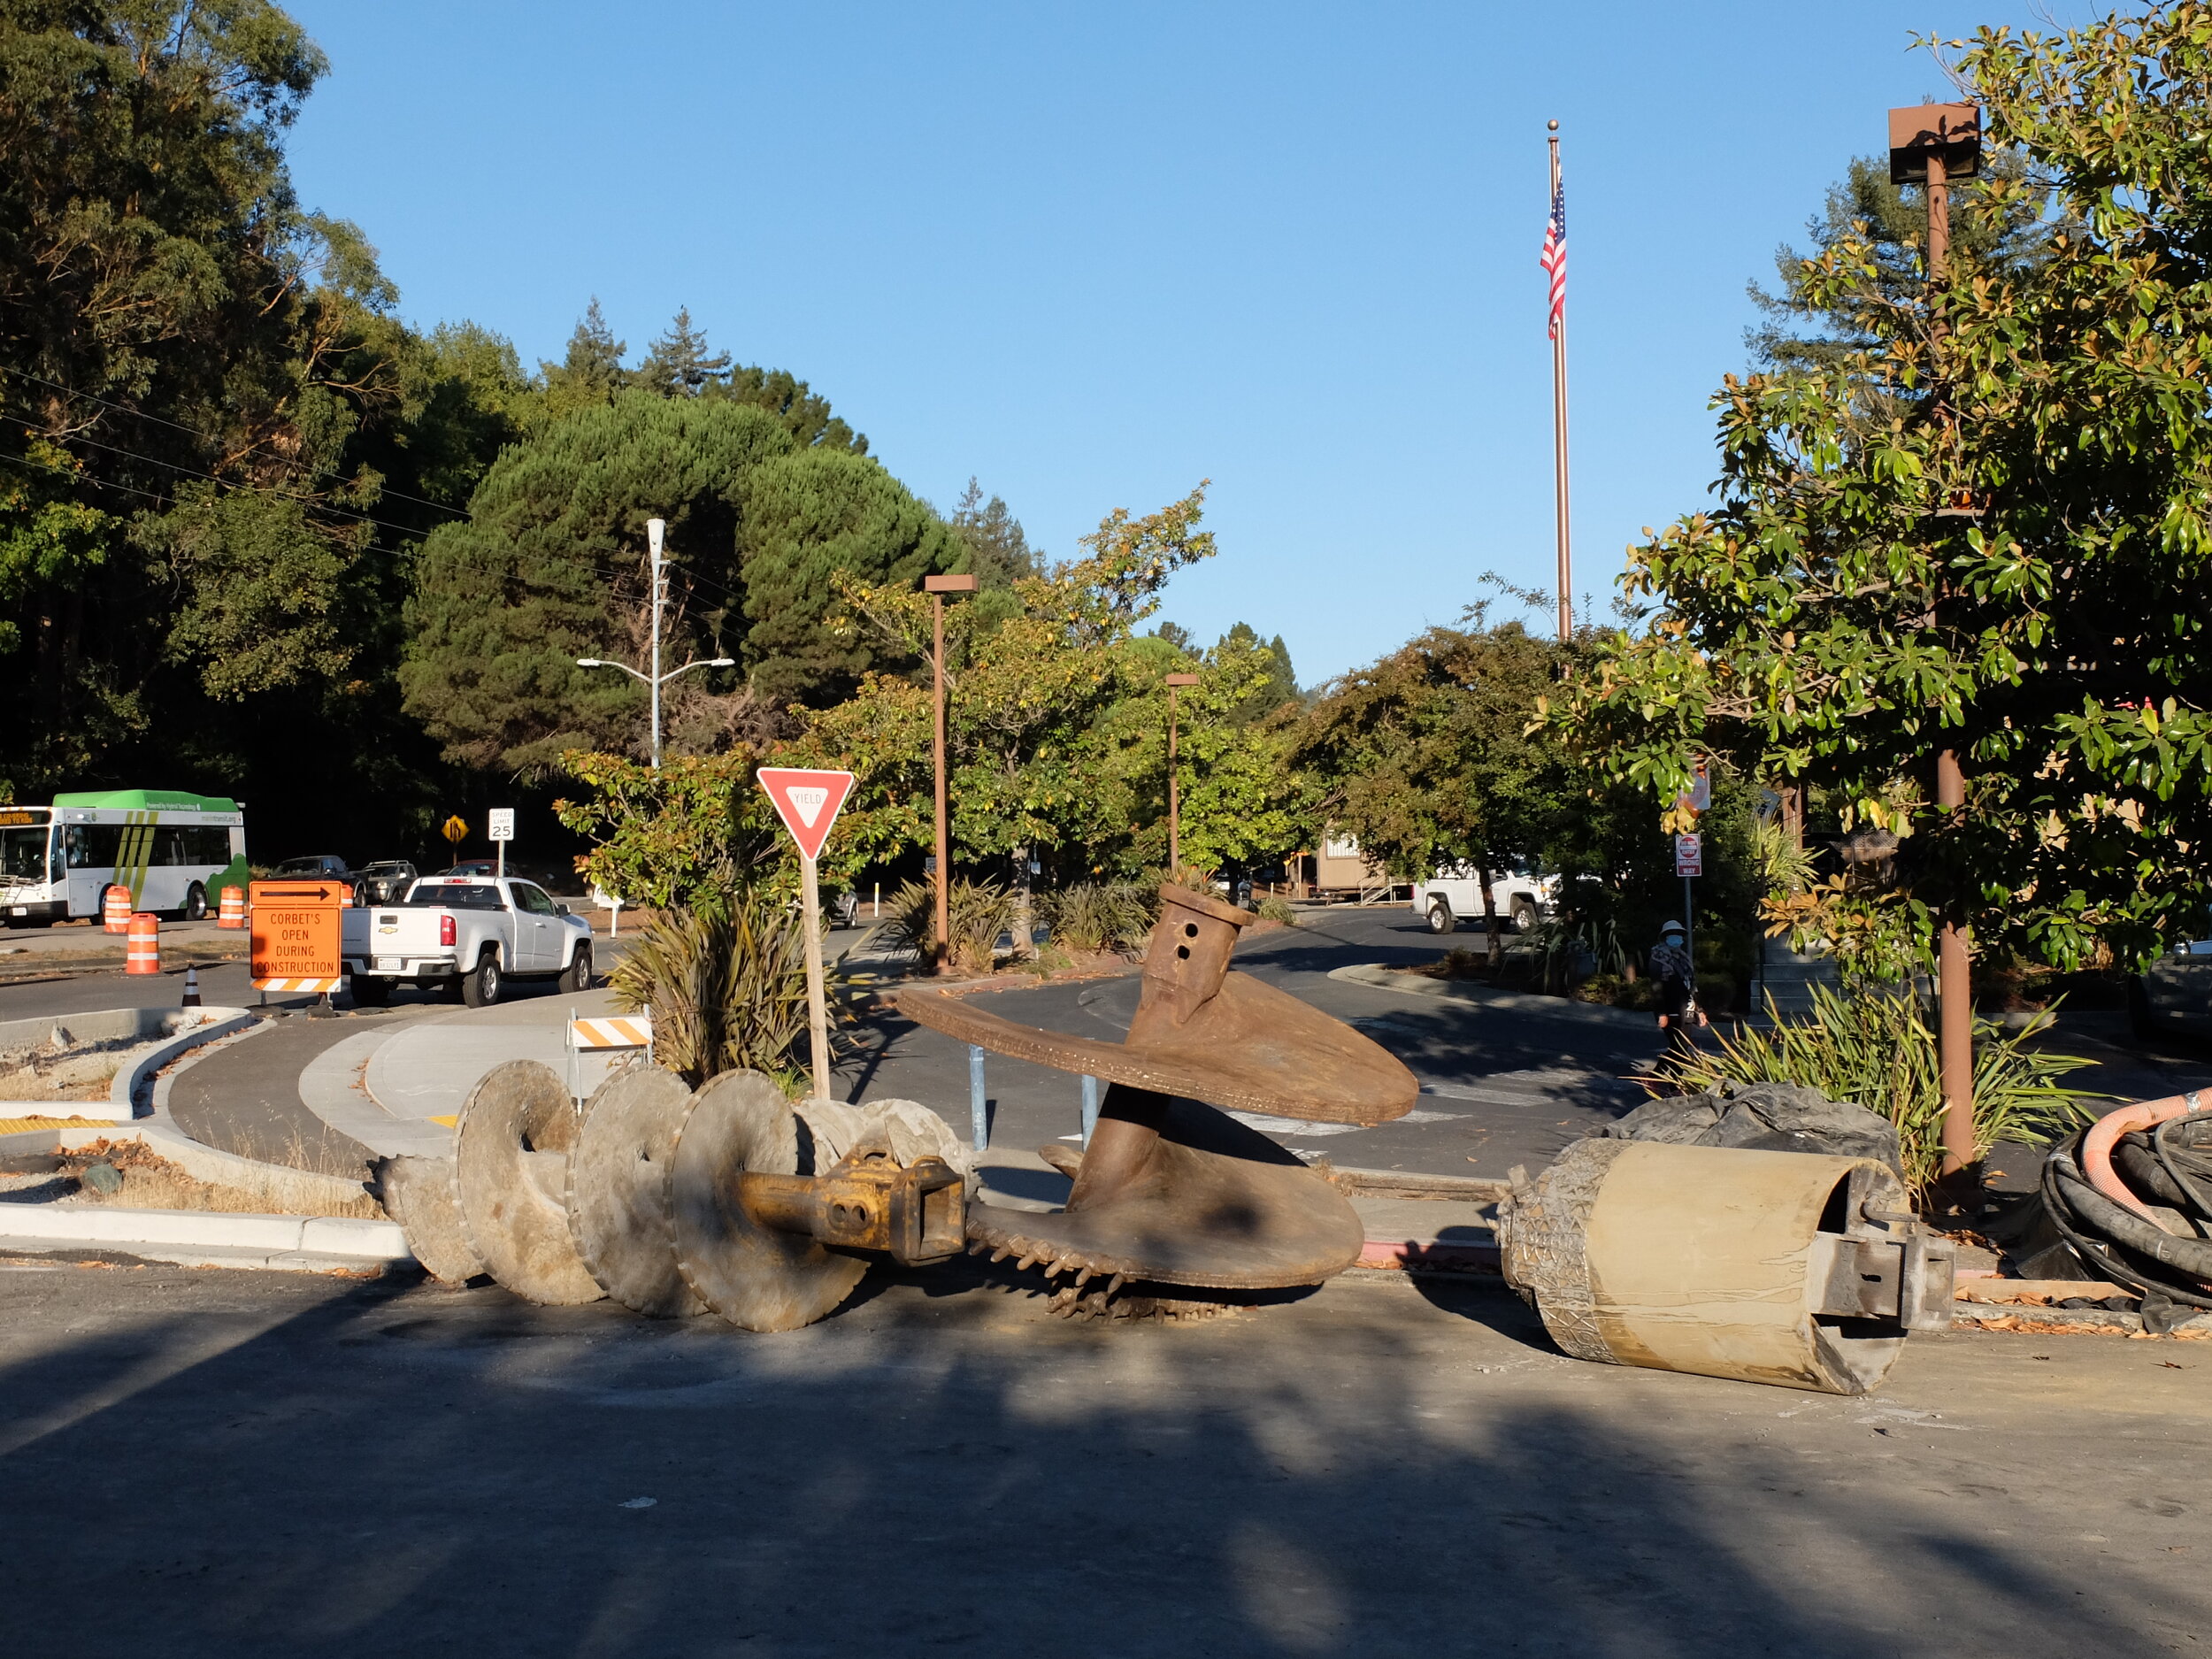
(91, 398)
(97, 482)
(220, 483)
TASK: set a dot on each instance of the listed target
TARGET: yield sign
(807, 802)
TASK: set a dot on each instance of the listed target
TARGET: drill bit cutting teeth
(1206, 1202)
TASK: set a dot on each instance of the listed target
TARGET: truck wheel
(578, 978)
(480, 986)
(1524, 917)
(196, 903)
(368, 990)
(1440, 917)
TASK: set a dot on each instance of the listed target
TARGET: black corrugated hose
(2169, 1167)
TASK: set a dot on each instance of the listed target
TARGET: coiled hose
(2132, 1193)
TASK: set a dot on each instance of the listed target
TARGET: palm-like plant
(726, 986)
(1876, 1049)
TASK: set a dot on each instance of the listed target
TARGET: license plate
(388, 964)
(20, 909)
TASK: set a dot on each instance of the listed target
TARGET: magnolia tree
(1984, 527)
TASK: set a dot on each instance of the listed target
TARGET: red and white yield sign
(807, 802)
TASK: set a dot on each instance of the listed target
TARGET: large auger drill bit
(731, 1199)
(1171, 1192)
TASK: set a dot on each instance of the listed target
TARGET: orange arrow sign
(807, 802)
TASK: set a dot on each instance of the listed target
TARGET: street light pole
(655, 528)
(1930, 144)
(937, 587)
(1174, 801)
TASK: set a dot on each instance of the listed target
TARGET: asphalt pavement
(1502, 1085)
(1499, 1087)
(208, 1464)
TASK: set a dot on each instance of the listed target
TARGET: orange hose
(2096, 1146)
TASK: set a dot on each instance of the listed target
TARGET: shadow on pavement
(386, 1469)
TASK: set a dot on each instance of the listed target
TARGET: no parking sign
(1689, 856)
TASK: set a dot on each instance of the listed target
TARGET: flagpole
(1559, 434)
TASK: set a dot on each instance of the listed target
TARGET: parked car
(387, 879)
(473, 932)
(322, 867)
(2174, 994)
(473, 867)
(1523, 897)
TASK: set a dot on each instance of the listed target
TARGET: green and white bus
(171, 852)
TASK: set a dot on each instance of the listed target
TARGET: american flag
(1555, 257)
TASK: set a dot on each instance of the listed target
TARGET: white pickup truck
(473, 931)
(1523, 899)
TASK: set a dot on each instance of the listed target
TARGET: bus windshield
(23, 854)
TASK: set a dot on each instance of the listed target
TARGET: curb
(275, 1183)
(94, 1225)
(1504, 1002)
(124, 1092)
(1418, 1255)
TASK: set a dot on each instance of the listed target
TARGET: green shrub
(1091, 917)
(976, 914)
(1275, 908)
(1878, 1049)
(726, 987)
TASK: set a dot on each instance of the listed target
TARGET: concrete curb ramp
(194, 1238)
(1504, 1002)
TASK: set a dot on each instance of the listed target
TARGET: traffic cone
(115, 910)
(143, 954)
(233, 908)
(191, 987)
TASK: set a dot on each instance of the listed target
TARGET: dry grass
(75, 1075)
(151, 1182)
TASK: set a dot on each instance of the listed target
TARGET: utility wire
(460, 512)
(98, 482)
(220, 483)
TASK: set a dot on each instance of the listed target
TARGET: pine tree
(805, 412)
(1002, 552)
(678, 363)
(592, 373)
(1279, 687)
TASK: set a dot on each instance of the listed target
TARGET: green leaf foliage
(805, 519)
(1983, 527)
(552, 565)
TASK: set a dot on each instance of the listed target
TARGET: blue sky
(1093, 255)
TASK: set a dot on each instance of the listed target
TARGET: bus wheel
(196, 903)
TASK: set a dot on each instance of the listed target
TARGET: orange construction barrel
(115, 910)
(233, 908)
(143, 954)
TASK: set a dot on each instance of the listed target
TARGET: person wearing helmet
(1679, 1016)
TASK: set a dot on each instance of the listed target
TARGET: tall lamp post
(937, 587)
(1174, 801)
(655, 530)
(1930, 144)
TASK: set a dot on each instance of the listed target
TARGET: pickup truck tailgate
(390, 936)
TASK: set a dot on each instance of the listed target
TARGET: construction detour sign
(294, 943)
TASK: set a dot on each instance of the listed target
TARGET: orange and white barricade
(605, 1038)
(142, 953)
(233, 908)
(115, 910)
